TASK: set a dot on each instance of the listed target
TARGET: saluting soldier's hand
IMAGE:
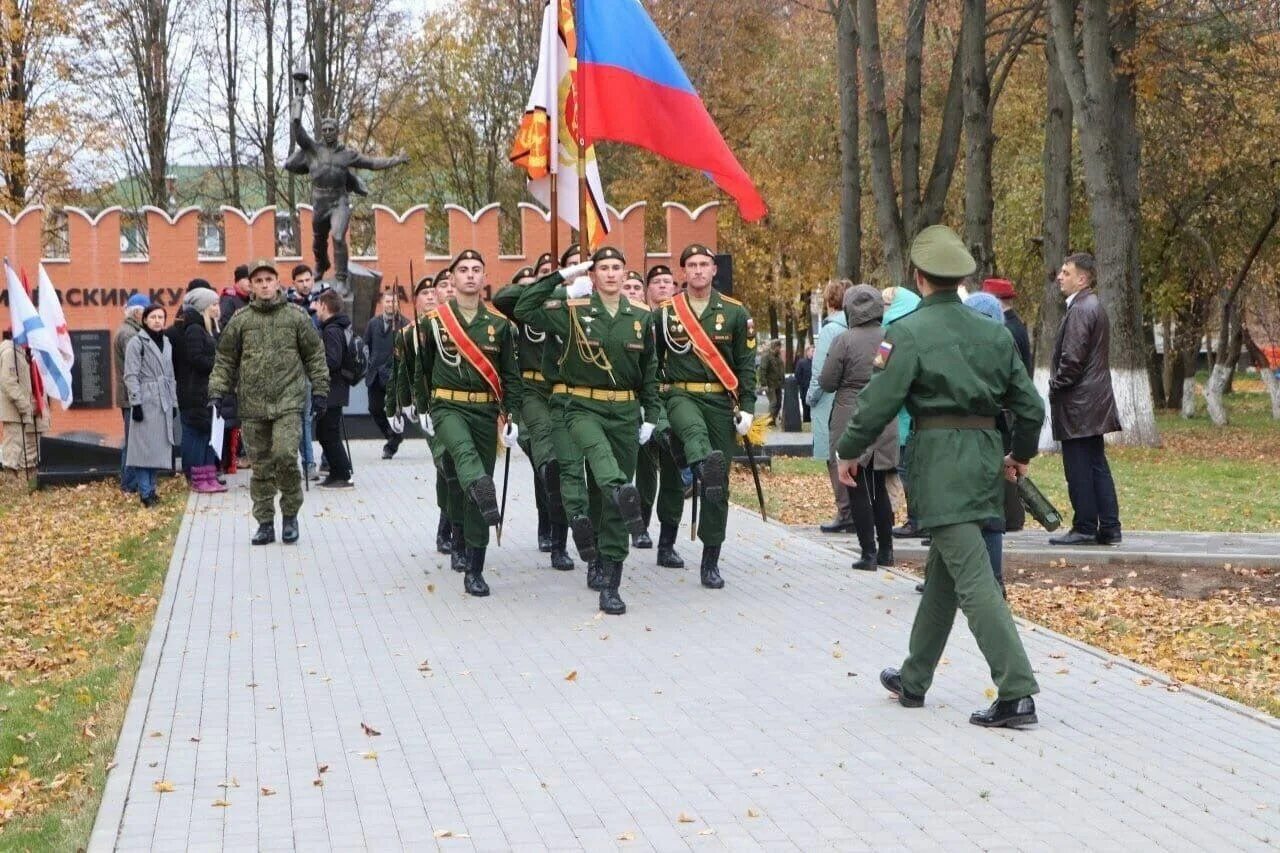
(397, 424)
(572, 271)
(848, 470)
(646, 432)
(1013, 469)
(511, 435)
(580, 287)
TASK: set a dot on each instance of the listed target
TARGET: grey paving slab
(744, 719)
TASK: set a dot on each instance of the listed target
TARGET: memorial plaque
(91, 374)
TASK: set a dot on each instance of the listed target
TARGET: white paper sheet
(217, 428)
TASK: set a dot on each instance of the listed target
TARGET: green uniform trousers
(958, 573)
(273, 448)
(467, 433)
(703, 423)
(660, 484)
(606, 432)
(442, 482)
(573, 483)
(535, 424)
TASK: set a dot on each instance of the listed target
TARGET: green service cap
(466, 255)
(607, 253)
(938, 251)
(262, 264)
(694, 250)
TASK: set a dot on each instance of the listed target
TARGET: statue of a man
(330, 165)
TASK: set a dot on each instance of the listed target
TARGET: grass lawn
(82, 573)
(1204, 478)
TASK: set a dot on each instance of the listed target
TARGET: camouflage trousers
(273, 449)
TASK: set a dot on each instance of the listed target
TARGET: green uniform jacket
(265, 355)
(625, 339)
(443, 366)
(530, 342)
(729, 324)
(404, 388)
(945, 359)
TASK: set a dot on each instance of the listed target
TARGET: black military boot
(596, 577)
(667, 555)
(560, 558)
(711, 567)
(473, 581)
(458, 550)
(713, 472)
(884, 557)
(641, 540)
(444, 544)
(865, 563)
(626, 499)
(265, 534)
(544, 532)
(610, 601)
(289, 529)
(1007, 713)
(549, 474)
(484, 494)
(584, 538)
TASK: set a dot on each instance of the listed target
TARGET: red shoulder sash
(703, 345)
(470, 349)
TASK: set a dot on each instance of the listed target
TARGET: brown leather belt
(956, 422)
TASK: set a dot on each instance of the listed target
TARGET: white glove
(581, 287)
(428, 427)
(572, 271)
(510, 435)
(409, 412)
(646, 432)
(742, 422)
(397, 424)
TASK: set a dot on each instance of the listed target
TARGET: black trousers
(1090, 487)
(377, 411)
(872, 510)
(329, 434)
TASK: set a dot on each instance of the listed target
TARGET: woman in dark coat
(846, 371)
(194, 347)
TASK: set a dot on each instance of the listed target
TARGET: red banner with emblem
(470, 350)
(703, 345)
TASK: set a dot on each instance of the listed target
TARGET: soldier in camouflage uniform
(609, 379)
(265, 356)
(468, 368)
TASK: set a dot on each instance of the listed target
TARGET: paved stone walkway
(745, 719)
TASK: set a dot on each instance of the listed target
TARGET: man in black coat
(804, 373)
(379, 336)
(335, 331)
(1083, 406)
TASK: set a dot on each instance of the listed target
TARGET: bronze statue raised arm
(330, 165)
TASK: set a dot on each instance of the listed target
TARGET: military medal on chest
(492, 331)
(719, 322)
(636, 326)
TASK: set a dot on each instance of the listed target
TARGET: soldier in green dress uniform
(709, 394)
(657, 474)
(609, 380)
(535, 420)
(954, 371)
(469, 371)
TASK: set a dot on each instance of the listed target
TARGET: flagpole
(555, 219)
(583, 197)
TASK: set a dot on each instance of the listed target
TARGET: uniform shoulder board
(636, 306)
(578, 302)
(666, 303)
(730, 299)
(493, 309)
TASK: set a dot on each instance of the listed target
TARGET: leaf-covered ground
(80, 573)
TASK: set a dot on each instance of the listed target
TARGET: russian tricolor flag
(634, 91)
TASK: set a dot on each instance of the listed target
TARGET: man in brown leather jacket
(1083, 407)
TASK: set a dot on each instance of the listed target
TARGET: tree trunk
(270, 177)
(1171, 366)
(888, 218)
(909, 138)
(15, 115)
(231, 72)
(1189, 354)
(1056, 226)
(849, 258)
(978, 200)
(1109, 148)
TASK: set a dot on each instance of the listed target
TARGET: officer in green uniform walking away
(954, 371)
(608, 373)
(469, 368)
(265, 356)
(707, 351)
(657, 474)
(535, 418)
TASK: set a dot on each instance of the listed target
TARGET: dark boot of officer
(484, 494)
(560, 558)
(867, 542)
(626, 499)
(444, 534)
(265, 534)
(473, 581)
(667, 555)
(713, 473)
(597, 578)
(584, 538)
(544, 531)
(549, 475)
(610, 601)
(458, 551)
(289, 530)
(711, 567)
(641, 540)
